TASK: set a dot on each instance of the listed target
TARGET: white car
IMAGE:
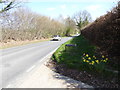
(56, 38)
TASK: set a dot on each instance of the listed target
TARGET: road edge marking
(31, 68)
(41, 60)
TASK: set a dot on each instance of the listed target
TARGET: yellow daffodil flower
(84, 60)
(89, 58)
(97, 61)
(86, 55)
(94, 57)
(103, 56)
(93, 62)
(87, 61)
(106, 58)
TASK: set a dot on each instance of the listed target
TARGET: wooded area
(23, 24)
(20, 23)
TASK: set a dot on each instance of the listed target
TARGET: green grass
(72, 57)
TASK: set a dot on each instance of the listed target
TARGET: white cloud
(63, 6)
(51, 9)
(93, 7)
(74, 6)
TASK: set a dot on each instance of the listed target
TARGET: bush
(104, 33)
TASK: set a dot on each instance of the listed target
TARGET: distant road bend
(15, 61)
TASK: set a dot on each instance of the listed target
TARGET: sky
(65, 8)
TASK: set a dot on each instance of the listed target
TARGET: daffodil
(103, 56)
(94, 57)
(97, 61)
(106, 58)
(92, 61)
(86, 55)
(89, 58)
(84, 60)
(87, 61)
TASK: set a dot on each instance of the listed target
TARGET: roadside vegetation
(23, 24)
(83, 57)
(95, 53)
(104, 33)
(19, 43)
(71, 56)
(19, 23)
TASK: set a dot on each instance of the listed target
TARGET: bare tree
(70, 25)
(23, 24)
(8, 4)
(82, 18)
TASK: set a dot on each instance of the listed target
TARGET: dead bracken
(85, 77)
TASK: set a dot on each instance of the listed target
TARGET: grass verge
(19, 43)
(82, 57)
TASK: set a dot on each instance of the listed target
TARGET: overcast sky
(55, 8)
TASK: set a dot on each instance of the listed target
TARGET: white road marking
(49, 54)
(42, 59)
(30, 68)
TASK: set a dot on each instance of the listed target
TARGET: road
(18, 60)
